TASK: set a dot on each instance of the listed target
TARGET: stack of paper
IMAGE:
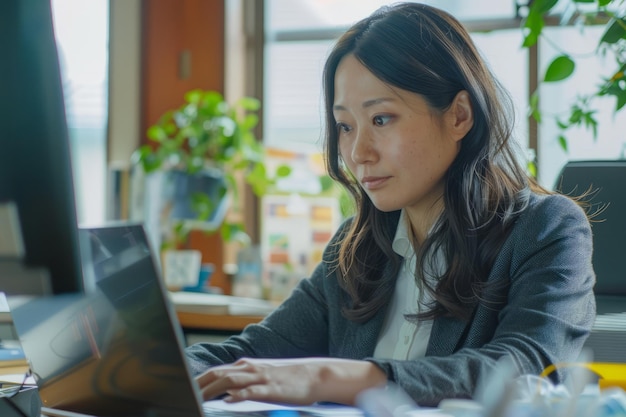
(204, 303)
(5, 313)
(12, 358)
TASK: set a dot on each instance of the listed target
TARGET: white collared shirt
(400, 338)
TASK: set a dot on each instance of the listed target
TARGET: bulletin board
(295, 231)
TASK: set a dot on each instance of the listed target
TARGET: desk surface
(208, 322)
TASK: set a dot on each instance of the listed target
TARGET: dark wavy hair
(425, 50)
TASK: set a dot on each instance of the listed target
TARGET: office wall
(124, 80)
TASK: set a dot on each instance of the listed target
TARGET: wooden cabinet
(182, 49)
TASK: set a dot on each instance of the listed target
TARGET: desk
(210, 322)
(202, 313)
(212, 328)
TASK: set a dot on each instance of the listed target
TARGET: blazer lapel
(360, 339)
(445, 336)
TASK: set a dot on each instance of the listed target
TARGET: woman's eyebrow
(367, 103)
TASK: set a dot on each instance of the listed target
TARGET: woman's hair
(424, 50)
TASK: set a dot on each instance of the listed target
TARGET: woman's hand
(294, 381)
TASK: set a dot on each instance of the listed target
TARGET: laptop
(116, 350)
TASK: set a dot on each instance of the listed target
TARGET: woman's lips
(373, 183)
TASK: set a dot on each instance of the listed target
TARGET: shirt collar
(401, 242)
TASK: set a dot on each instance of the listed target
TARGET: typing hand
(294, 381)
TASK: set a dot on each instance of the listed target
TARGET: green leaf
(257, 178)
(534, 21)
(202, 205)
(532, 169)
(226, 232)
(621, 100)
(534, 107)
(231, 184)
(151, 164)
(584, 1)
(169, 128)
(193, 96)
(249, 103)
(156, 133)
(536, 114)
(561, 125)
(234, 231)
(563, 142)
(250, 121)
(559, 69)
(326, 182)
(591, 122)
(534, 24)
(214, 101)
(615, 32)
(542, 6)
(603, 3)
(576, 116)
(283, 171)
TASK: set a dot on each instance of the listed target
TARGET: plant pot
(207, 188)
(163, 198)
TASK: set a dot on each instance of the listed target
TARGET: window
(299, 34)
(81, 30)
(557, 97)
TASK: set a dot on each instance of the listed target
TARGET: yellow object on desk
(611, 375)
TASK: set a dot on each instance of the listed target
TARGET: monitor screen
(39, 248)
(602, 183)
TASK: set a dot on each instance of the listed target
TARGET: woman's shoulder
(553, 204)
(546, 213)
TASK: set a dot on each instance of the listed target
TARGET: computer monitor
(604, 181)
(39, 246)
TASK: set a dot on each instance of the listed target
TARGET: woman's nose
(363, 150)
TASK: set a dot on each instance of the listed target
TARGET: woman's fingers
(250, 379)
(296, 381)
(219, 380)
(285, 383)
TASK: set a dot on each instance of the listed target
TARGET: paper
(255, 406)
(17, 379)
(192, 302)
(5, 312)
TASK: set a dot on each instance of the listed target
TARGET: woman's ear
(461, 115)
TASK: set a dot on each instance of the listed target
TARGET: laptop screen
(117, 349)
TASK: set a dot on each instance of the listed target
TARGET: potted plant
(200, 152)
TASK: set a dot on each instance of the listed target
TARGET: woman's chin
(380, 206)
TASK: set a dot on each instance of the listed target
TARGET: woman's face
(395, 146)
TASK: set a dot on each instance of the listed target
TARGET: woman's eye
(381, 120)
(343, 128)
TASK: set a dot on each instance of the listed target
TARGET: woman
(454, 259)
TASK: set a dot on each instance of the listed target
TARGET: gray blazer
(548, 315)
